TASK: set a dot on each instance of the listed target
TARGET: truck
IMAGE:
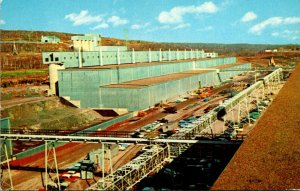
(170, 109)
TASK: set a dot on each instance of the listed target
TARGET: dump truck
(204, 92)
(204, 95)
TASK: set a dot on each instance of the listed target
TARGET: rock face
(49, 114)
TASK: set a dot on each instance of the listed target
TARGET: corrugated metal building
(115, 80)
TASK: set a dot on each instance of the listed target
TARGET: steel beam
(5, 168)
(107, 140)
(130, 174)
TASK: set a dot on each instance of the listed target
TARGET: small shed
(96, 155)
(87, 169)
(50, 39)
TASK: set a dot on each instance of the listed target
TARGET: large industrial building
(133, 80)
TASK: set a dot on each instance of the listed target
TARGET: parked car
(122, 146)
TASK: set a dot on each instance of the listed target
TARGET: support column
(53, 77)
(5, 175)
(185, 54)
(110, 162)
(101, 59)
(149, 55)
(160, 55)
(170, 55)
(119, 59)
(191, 53)
(46, 165)
(56, 166)
(177, 55)
(232, 112)
(103, 158)
(133, 56)
(50, 166)
(80, 57)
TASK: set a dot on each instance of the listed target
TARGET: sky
(205, 21)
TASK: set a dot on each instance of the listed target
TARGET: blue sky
(209, 21)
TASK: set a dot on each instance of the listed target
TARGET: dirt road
(18, 101)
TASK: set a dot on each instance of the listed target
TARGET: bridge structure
(162, 150)
(269, 158)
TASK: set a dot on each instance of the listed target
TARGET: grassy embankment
(23, 73)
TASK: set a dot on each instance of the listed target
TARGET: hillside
(21, 49)
(35, 36)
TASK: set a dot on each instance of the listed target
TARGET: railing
(124, 134)
(207, 119)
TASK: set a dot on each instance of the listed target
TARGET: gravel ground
(270, 158)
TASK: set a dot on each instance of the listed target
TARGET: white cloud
(103, 25)
(2, 22)
(275, 34)
(175, 15)
(288, 34)
(249, 16)
(208, 28)
(138, 26)
(291, 20)
(116, 21)
(273, 21)
(83, 18)
(182, 25)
